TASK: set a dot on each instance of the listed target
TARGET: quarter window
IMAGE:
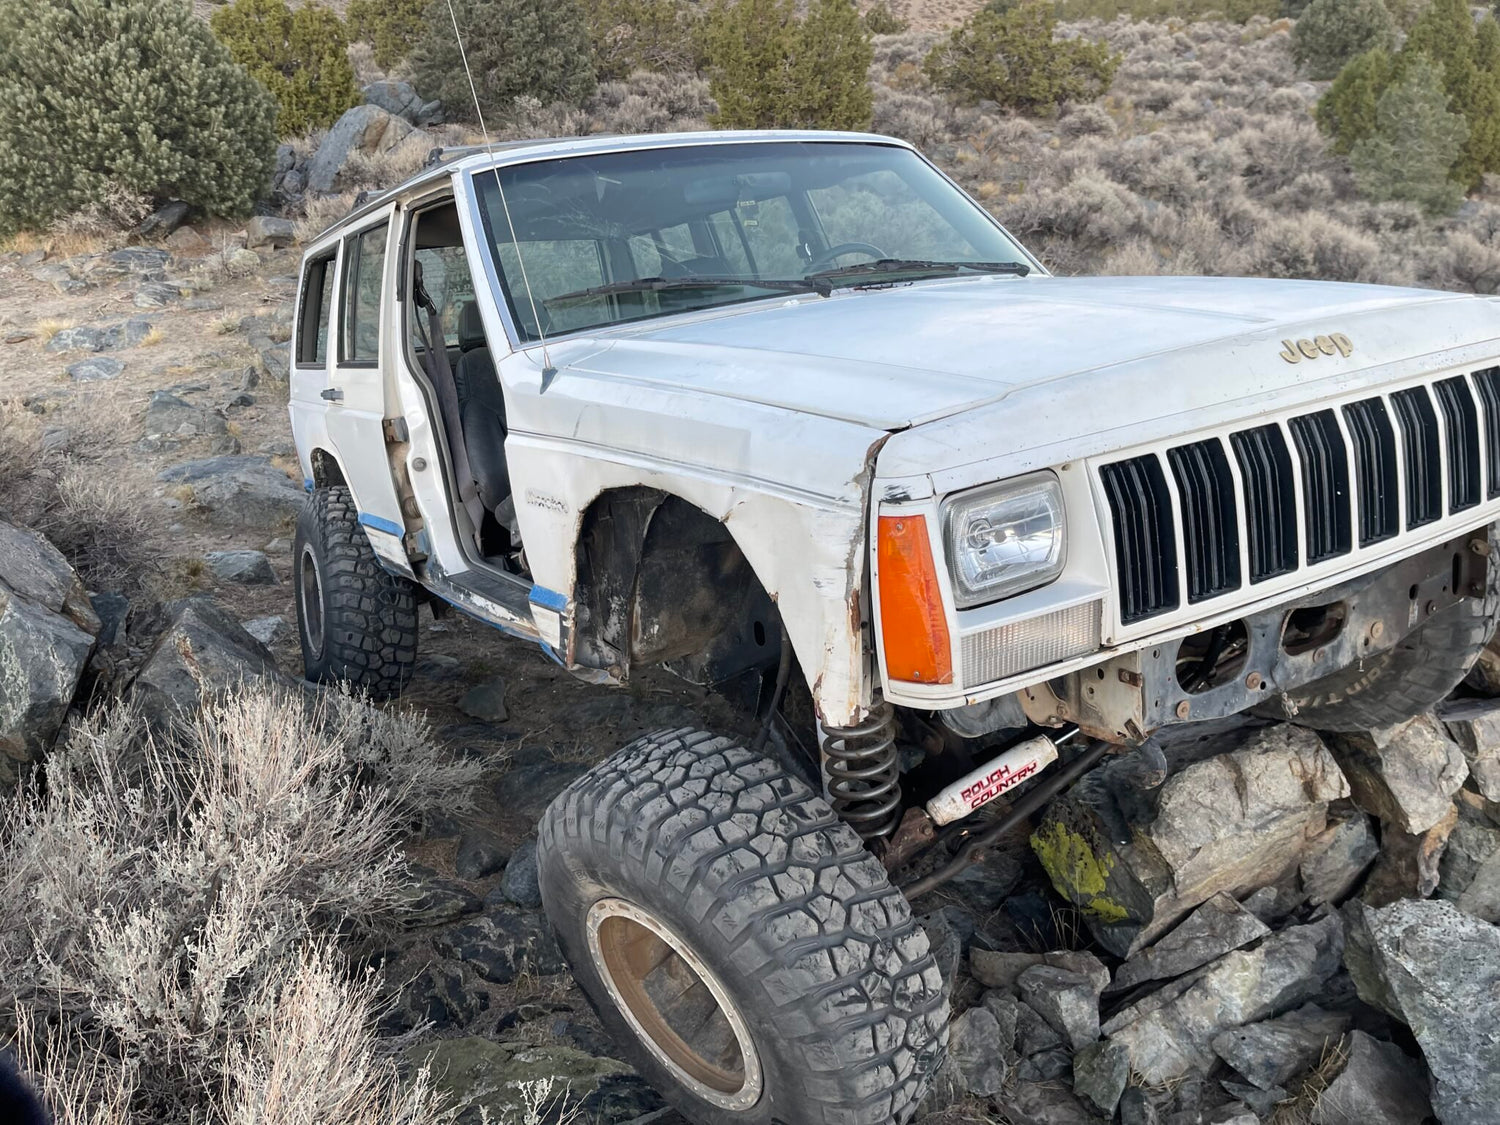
(362, 281)
(314, 310)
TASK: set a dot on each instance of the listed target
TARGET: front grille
(1270, 507)
(1355, 477)
(1145, 536)
(1374, 469)
(1461, 428)
(1325, 484)
(1210, 531)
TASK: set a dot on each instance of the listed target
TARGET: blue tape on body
(307, 484)
(549, 599)
(379, 524)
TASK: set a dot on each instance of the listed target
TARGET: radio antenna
(548, 371)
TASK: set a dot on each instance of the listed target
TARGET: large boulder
(238, 491)
(365, 129)
(1405, 775)
(1171, 1034)
(1470, 866)
(400, 99)
(1221, 924)
(1437, 970)
(36, 570)
(1269, 1054)
(1475, 725)
(42, 657)
(1377, 1085)
(1247, 818)
(203, 652)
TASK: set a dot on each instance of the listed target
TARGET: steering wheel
(827, 257)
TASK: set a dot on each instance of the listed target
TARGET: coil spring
(863, 773)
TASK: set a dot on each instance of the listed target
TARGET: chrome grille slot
(1210, 528)
(1145, 537)
(1325, 483)
(1270, 507)
(1461, 429)
(1487, 382)
(1375, 469)
(1422, 457)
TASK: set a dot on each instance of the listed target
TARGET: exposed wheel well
(660, 581)
(327, 472)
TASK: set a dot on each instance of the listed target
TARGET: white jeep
(791, 410)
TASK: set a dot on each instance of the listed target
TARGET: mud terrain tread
(797, 904)
(369, 614)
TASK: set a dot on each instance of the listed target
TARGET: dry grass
(48, 327)
(167, 908)
(153, 337)
(1304, 1102)
(225, 325)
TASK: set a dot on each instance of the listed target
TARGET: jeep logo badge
(1295, 351)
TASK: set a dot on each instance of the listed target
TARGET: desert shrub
(168, 906)
(1346, 113)
(1416, 139)
(301, 56)
(132, 96)
(1468, 60)
(769, 68)
(631, 35)
(1016, 60)
(1236, 11)
(881, 20)
(1332, 32)
(1313, 246)
(516, 48)
(390, 27)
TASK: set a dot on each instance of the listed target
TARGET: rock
(243, 568)
(164, 220)
(143, 261)
(187, 242)
(241, 261)
(1404, 775)
(1068, 1001)
(977, 1052)
(61, 278)
(1003, 970)
(96, 369)
(983, 886)
(1377, 1086)
(948, 930)
(1475, 725)
(480, 854)
(1175, 1039)
(268, 230)
(276, 361)
(266, 629)
(1437, 970)
(431, 901)
(439, 995)
(42, 657)
(1136, 1108)
(396, 98)
(366, 129)
(1045, 1066)
(487, 702)
(113, 611)
(169, 417)
(1043, 1103)
(1233, 823)
(1409, 865)
(156, 295)
(238, 491)
(534, 778)
(36, 570)
(1470, 867)
(501, 944)
(1272, 1052)
(1100, 1074)
(521, 883)
(95, 338)
(484, 1079)
(1034, 1034)
(1216, 927)
(202, 652)
(1006, 1009)
(1338, 858)
(1232, 1114)
(1262, 1103)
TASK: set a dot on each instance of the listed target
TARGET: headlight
(1005, 539)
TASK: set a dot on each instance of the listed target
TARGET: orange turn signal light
(912, 621)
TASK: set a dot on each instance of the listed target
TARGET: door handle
(333, 394)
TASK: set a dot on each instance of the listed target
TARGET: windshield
(616, 237)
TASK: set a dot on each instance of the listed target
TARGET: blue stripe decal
(307, 484)
(549, 599)
(379, 524)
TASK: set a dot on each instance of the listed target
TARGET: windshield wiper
(884, 266)
(658, 284)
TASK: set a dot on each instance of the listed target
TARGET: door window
(446, 277)
(362, 281)
(314, 311)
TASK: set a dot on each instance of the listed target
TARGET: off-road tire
(835, 982)
(1403, 681)
(368, 634)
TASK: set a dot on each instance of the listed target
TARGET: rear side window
(314, 309)
(362, 278)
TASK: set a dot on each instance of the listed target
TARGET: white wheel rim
(310, 591)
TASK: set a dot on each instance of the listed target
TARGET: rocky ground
(1287, 928)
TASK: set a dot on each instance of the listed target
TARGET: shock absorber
(862, 771)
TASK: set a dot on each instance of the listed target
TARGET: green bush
(132, 95)
(1346, 113)
(1013, 59)
(1414, 145)
(768, 69)
(390, 27)
(1331, 32)
(517, 48)
(880, 20)
(300, 56)
(632, 35)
